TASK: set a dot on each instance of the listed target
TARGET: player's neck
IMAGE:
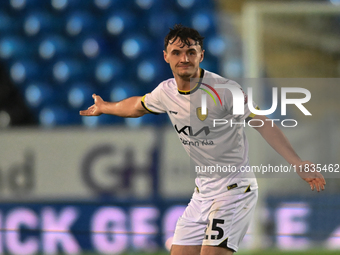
(183, 83)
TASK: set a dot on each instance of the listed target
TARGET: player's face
(184, 61)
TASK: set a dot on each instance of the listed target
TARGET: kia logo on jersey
(187, 130)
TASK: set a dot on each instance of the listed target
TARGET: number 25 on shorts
(215, 227)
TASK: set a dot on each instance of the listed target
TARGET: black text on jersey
(187, 130)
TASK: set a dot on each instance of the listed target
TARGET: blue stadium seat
(80, 95)
(190, 5)
(217, 45)
(92, 46)
(146, 7)
(55, 115)
(8, 25)
(12, 47)
(120, 22)
(38, 94)
(67, 70)
(122, 90)
(145, 4)
(149, 70)
(4, 5)
(135, 46)
(204, 22)
(79, 23)
(108, 70)
(104, 5)
(53, 46)
(19, 5)
(39, 23)
(186, 4)
(67, 5)
(23, 70)
(158, 23)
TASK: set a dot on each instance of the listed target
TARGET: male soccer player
(219, 213)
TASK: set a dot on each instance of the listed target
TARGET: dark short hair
(184, 34)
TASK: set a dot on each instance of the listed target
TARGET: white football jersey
(217, 153)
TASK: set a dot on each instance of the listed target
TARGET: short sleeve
(153, 102)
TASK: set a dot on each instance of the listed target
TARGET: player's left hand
(306, 170)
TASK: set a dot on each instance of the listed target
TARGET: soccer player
(219, 213)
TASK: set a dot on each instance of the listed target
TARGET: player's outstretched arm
(130, 107)
(276, 139)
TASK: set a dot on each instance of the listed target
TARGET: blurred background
(108, 185)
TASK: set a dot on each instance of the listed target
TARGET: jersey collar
(198, 84)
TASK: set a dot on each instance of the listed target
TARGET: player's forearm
(279, 142)
(128, 108)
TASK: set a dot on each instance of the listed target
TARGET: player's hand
(95, 109)
(306, 170)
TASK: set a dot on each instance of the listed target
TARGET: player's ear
(165, 54)
(202, 55)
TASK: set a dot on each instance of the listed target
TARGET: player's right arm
(129, 108)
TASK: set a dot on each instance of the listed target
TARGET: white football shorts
(223, 222)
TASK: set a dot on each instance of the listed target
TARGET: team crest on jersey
(199, 114)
